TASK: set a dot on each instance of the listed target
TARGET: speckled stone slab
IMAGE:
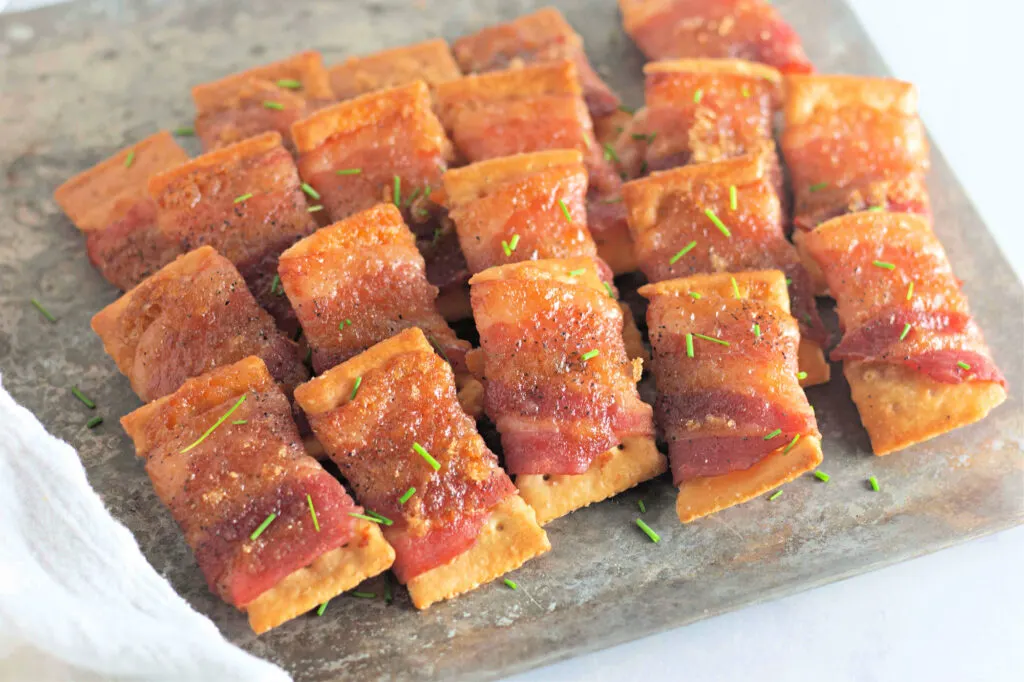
(81, 80)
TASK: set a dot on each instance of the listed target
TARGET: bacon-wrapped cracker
(390, 420)
(111, 205)
(559, 385)
(245, 200)
(914, 357)
(266, 98)
(192, 316)
(723, 217)
(536, 38)
(273, 533)
(430, 61)
(729, 402)
(736, 29)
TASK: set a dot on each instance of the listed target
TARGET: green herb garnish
(757, 330)
(775, 495)
(380, 517)
(698, 96)
(590, 354)
(608, 288)
(349, 171)
(367, 517)
(276, 106)
(735, 287)
(263, 526)
(773, 434)
(791, 443)
(422, 452)
(217, 423)
(397, 191)
(609, 153)
(244, 197)
(323, 607)
(648, 531)
(817, 187)
(275, 286)
(689, 345)
(962, 365)
(130, 159)
(642, 506)
(873, 482)
(289, 83)
(565, 210)
(314, 209)
(883, 264)
(511, 584)
(239, 422)
(308, 189)
(711, 338)
(910, 290)
(364, 595)
(733, 199)
(745, 91)
(45, 313)
(312, 512)
(695, 295)
(682, 252)
(355, 388)
(577, 273)
(718, 223)
(94, 422)
(406, 496)
(801, 375)
(906, 330)
(626, 110)
(185, 131)
(822, 476)
(81, 396)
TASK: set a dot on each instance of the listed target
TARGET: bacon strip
(556, 404)
(360, 281)
(192, 316)
(405, 396)
(735, 29)
(430, 61)
(221, 487)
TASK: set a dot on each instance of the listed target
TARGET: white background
(957, 615)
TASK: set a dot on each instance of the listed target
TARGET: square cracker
(900, 406)
(703, 496)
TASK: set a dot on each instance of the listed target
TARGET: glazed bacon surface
(853, 143)
(430, 61)
(360, 281)
(522, 207)
(192, 316)
(719, 407)
(406, 395)
(222, 486)
(555, 401)
(737, 29)
(870, 261)
(244, 200)
(536, 38)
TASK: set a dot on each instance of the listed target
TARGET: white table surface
(957, 615)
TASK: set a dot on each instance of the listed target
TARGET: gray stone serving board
(80, 81)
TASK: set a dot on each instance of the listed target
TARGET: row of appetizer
(341, 218)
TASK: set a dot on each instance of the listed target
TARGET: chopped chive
(822, 476)
(387, 590)
(873, 482)
(364, 595)
(910, 290)
(289, 83)
(612, 200)
(608, 288)
(962, 365)
(757, 330)
(217, 423)
(875, 209)
(81, 396)
(735, 287)
(577, 273)
(263, 526)
(791, 443)
(801, 375)
(275, 285)
(718, 223)
(355, 388)
(643, 507)
(130, 159)
(817, 187)
(789, 281)
(406, 496)
(505, 247)
(639, 136)
(609, 153)
(427, 191)
(733, 199)
(380, 517)
(513, 243)
(689, 345)
(682, 252)
(314, 209)
(269, 104)
(511, 584)
(695, 295)
(648, 530)
(397, 191)
(643, 167)
(239, 422)
(711, 338)
(412, 197)
(650, 138)
(437, 347)
(773, 434)
(349, 171)
(626, 110)
(565, 210)
(906, 330)
(298, 335)
(308, 189)
(745, 90)
(312, 512)
(883, 264)
(185, 131)
(344, 323)
(45, 313)
(590, 354)
(322, 608)
(244, 197)
(422, 452)
(775, 495)
(94, 422)
(698, 96)
(367, 517)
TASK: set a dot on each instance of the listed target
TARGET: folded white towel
(78, 601)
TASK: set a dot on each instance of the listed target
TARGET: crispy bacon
(222, 486)
(537, 38)
(192, 316)
(853, 143)
(718, 407)
(555, 402)
(246, 202)
(737, 29)
(260, 100)
(929, 327)
(360, 281)
(406, 395)
(430, 61)
(668, 212)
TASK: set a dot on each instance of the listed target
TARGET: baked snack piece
(430, 61)
(390, 420)
(193, 315)
(915, 359)
(737, 29)
(262, 99)
(729, 403)
(111, 205)
(245, 200)
(723, 217)
(273, 533)
(559, 385)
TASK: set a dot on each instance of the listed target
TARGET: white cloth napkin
(78, 601)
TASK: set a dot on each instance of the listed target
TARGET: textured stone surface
(77, 83)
